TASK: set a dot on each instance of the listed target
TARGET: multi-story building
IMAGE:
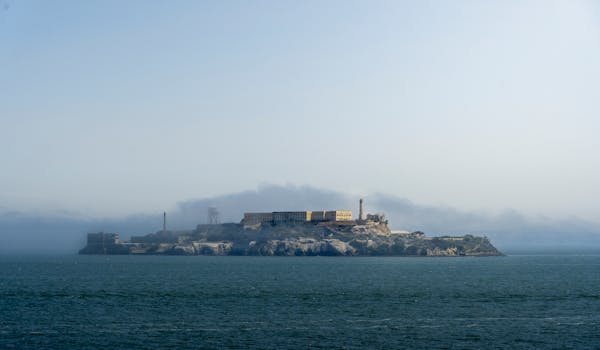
(281, 217)
(257, 218)
(291, 216)
(338, 215)
(318, 215)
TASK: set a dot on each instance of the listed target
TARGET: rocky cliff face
(304, 240)
(297, 247)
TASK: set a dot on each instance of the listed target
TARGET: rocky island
(302, 233)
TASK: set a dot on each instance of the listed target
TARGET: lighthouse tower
(360, 211)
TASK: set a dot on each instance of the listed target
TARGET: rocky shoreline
(326, 239)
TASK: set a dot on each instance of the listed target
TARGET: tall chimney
(165, 221)
(360, 211)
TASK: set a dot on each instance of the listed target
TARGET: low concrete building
(399, 232)
(102, 239)
(104, 243)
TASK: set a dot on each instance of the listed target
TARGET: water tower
(213, 216)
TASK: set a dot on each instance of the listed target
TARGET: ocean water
(159, 302)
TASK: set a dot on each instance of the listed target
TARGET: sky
(110, 108)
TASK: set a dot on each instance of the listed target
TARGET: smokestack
(165, 221)
(360, 211)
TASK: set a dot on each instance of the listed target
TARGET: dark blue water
(150, 302)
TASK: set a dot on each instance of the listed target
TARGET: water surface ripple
(154, 302)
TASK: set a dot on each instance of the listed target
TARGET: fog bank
(48, 233)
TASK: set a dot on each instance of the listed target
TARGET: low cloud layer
(509, 229)
(31, 233)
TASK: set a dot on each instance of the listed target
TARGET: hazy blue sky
(116, 107)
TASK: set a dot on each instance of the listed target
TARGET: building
(338, 215)
(285, 217)
(104, 243)
(318, 215)
(291, 216)
(257, 218)
(380, 218)
(103, 239)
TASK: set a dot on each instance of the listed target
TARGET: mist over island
(35, 233)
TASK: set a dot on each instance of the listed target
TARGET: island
(294, 233)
